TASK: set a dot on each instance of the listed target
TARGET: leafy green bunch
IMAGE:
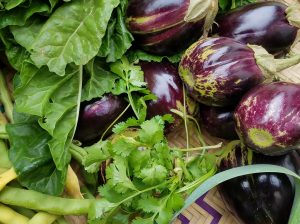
(146, 179)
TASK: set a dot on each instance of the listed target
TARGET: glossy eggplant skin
(218, 71)
(268, 118)
(164, 82)
(264, 198)
(96, 116)
(159, 27)
(218, 121)
(262, 23)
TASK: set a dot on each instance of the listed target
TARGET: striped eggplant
(219, 71)
(166, 27)
(260, 198)
(269, 24)
(218, 121)
(268, 118)
(164, 82)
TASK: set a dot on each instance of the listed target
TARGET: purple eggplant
(164, 82)
(268, 118)
(262, 23)
(218, 121)
(219, 71)
(97, 115)
(166, 27)
(260, 198)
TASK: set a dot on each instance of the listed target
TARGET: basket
(211, 208)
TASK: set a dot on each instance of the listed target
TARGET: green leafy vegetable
(100, 81)
(226, 5)
(134, 55)
(55, 100)
(76, 39)
(32, 160)
(117, 39)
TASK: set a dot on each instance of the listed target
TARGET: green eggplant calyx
(260, 137)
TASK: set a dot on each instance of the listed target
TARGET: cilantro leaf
(152, 131)
(154, 174)
(117, 175)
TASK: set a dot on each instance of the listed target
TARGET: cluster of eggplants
(264, 23)
(164, 27)
(163, 81)
(260, 198)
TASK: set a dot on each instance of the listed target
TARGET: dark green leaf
(32, 160)
(73, 34)
(117, 39)
(135, 55)
(100, 81)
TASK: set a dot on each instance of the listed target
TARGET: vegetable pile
(92, 90)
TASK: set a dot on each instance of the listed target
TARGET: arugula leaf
(55, 100)
(117, 39)
(76, 39)
(100, 81)
(32, 160)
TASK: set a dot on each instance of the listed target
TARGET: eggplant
(219, 71)
(264, 198)
(164, 82)
(262, 23)
(97, 115)
(218, 121)
(166, 27)
(268, 118)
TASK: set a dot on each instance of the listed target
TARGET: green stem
(185, 121)
(198, 148)
(132, 102)
(5, 98)
(42, 202)
(77, 152)
(113, 123)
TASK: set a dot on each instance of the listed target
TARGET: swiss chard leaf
(19, 15)
(32, 160)
(25, 35)
(76, 39)
(15, 53)
(55, 100)
(117, 39)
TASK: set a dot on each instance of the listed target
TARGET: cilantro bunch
(146, 179)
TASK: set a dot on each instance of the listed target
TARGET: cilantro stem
(131, 100)
(197, 182)
(77, 152)
(180, 114)
(198, 148)
(5, 98)
(113, 123)
(185, 121)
